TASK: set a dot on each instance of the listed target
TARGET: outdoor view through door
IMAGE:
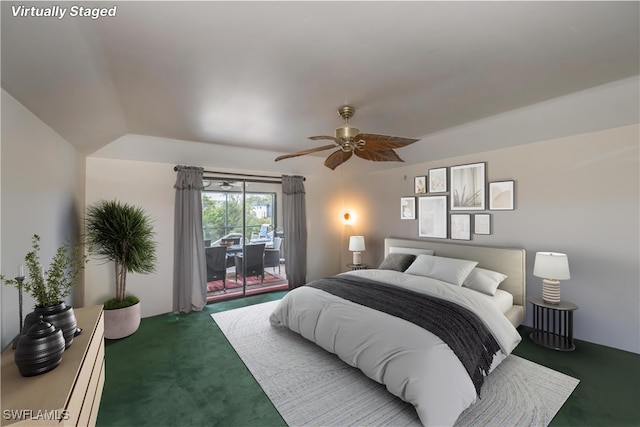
(243, 247)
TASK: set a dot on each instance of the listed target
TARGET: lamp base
(357, 258)
(551, 291)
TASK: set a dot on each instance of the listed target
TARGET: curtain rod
(175, 168)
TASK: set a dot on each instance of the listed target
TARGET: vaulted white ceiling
(266, 75)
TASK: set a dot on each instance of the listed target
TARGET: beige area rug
(310, 386)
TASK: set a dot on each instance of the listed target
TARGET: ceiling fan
(222, 185)
(367, 146)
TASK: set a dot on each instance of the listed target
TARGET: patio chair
(272, 255)
(216, 257)
(251, 261)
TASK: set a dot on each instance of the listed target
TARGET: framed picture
(502, 195)
(461, 226)
(482, 224)
(438, 180)
(407, 208)
(432, 220)
(468, 187)
(420, 184)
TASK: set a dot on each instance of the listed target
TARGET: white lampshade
(356, 243)
(551, 265)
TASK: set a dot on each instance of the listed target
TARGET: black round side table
(553, 324)
(358, 266)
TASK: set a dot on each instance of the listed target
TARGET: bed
(421, 329)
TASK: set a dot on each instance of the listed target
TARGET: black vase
(29, 320)
(60, 316)
(40, 349)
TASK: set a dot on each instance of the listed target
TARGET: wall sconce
(348, 217)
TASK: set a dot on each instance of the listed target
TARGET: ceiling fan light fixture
(225, 185)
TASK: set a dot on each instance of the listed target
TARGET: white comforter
(411, 362)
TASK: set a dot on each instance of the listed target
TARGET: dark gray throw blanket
(461, 329)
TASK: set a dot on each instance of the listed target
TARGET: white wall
(150, 185)
(578, 195)
(42, 192)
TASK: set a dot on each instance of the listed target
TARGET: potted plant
(50, 286)
(123, 234)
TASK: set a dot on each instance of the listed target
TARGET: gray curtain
(189, 265)
(295, 230)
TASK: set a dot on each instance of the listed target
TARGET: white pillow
(412, 251)
(483, 280)
(450, 270)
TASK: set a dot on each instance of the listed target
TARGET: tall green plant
(124, 234)
(50, 286)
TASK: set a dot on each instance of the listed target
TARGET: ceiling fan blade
(337, 158)
(383, 142)
(387, 155)
(303, 152)
(332, 138)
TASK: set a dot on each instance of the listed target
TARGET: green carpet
(179, 370)
(609, 390)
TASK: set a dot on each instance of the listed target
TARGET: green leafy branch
(53, 285)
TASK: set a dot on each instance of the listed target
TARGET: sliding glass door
(242, 216)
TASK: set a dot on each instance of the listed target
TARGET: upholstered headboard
(509, 261)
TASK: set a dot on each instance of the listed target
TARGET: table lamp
(356, 245)
(552, 267)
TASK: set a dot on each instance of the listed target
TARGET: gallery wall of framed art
(452, 201)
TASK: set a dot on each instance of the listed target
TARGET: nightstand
(553, 324)
(358, 266)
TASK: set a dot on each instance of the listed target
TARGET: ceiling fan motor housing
(347, 132)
